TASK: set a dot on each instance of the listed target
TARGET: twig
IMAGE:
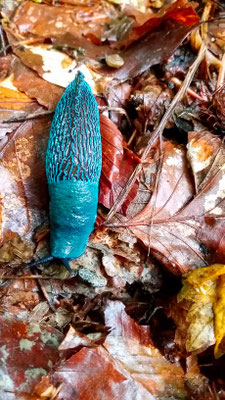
(33, 277)
(4, 47)
(221, 75)
(218, 4)
(115, 109)
(132, 137)
(186, 83)
(159, 130)
(177, 82)
(30, 116)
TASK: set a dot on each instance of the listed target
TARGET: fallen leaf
(198, 277)
(200, 334)
(219, 311)
(180, 10)
(151, 49)
(15, 100)
(28, 81)
(66, 25)
(202, 150)
(202, 296)
(168, 221)
(127, 367)
(24, 193)
(117, 165)
(53, 66)
(28, 351)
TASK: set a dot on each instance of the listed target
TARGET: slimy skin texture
(73, 168)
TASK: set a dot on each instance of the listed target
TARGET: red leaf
(182, 11)
(28, 351)
(128, 367)
(117, 165)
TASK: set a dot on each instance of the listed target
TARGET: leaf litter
(145, 304)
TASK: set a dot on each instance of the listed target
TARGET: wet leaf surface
(128, 366)
(169, 220)
(123, 327)
(28, 352)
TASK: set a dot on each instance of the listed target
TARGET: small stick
(34, 277)
(157, 133)
(116, 109)
(132, 137)
(4, 47)
(191, 92)
(221, 75)
(30, 116)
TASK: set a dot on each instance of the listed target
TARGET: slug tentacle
(73, 168)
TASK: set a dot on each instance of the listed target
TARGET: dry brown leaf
(28, 81)
(169, 219)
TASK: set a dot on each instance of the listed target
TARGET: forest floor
(143, 315)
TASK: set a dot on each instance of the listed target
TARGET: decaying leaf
(202, 296)
(166, 215)
(219, 312)
(30, 83)
(151, 49)
(24, 193)
(172, 216)
(28, 351)
(127, 367)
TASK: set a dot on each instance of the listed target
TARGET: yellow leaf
(13, 99)
(199, 276)
(200, 332)
(197, 294)
(219, 311)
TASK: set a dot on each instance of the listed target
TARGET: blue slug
(73, 168)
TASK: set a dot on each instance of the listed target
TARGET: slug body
(73, 168)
